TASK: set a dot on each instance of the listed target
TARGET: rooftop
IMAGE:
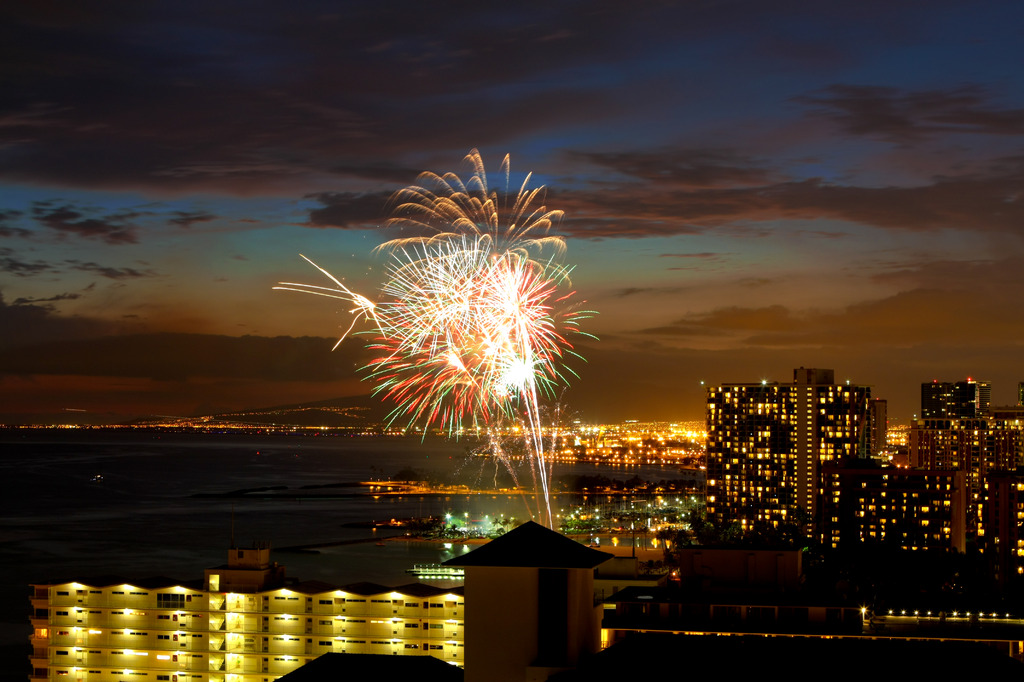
(531, 545)
(334, 666)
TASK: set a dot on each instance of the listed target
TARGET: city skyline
(748, 188)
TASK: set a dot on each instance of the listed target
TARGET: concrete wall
(501, 623)
(752, 569)
(521, 625)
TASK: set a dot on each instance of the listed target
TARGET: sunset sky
(748, 187)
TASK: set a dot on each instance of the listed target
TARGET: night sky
(748, 187)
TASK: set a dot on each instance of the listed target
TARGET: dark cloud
(993, 279)
(113, 228)
(660, 291)
(281, 96)
(107, 271)
(392, 174)
(681, 331)
(989, 201)
(632, 291)
(678, 118)
(348, 210)
(51, 299)
(706, 255)
(181, 356)
(707, 262)
(26, 324)
(825, 234)
(682, 168)
(7, 229)
(584, 220)
(771, 318)
(902, 116)
(190, 218)
(920, 317)
(9, 262)
(929, 314)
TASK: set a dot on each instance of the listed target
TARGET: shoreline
(312, 548)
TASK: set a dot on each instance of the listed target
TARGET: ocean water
(85, 503)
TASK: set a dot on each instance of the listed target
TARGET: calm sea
(85, 503)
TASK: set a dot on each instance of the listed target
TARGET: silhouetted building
(867, 504)
(960, 400)
(530, 608)
(879, 410)
(331, 667)
(771, 612)
(721, 569)
(972, 398)
(752, 657)
(766, 443)
(769, 619)
(1004, 525)
(936, 400)
(1007, 413)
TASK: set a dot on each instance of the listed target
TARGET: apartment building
(768, 441)
(244, 623)
(865, 503)
(977, 447)
(1004, 524)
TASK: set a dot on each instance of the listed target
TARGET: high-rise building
(1004, 519)
(879, 426)
(767, 442)
(936, 399)
(243, 623)
(959, 400)
(972, 398)
(977, 447)
(869, 504)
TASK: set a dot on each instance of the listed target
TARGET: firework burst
(470, 328)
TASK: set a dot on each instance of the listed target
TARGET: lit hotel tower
(767, 441)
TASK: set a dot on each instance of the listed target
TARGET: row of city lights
(956, 614)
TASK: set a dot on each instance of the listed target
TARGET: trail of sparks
(470, 328)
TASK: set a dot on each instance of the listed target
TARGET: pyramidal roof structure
(531, 545)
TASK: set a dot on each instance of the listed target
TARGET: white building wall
(176, 634)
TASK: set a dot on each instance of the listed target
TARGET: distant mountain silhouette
(362, 410)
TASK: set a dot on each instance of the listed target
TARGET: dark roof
(151, 583)
(531, 545)
(365, 588)
(739, 597)
(335, 666)
(311, 587)
(664, 655)
(421, 590)
(308, 587)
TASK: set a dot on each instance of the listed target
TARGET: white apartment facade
(231, 628)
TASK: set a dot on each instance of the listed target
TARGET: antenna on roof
(232, 525)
